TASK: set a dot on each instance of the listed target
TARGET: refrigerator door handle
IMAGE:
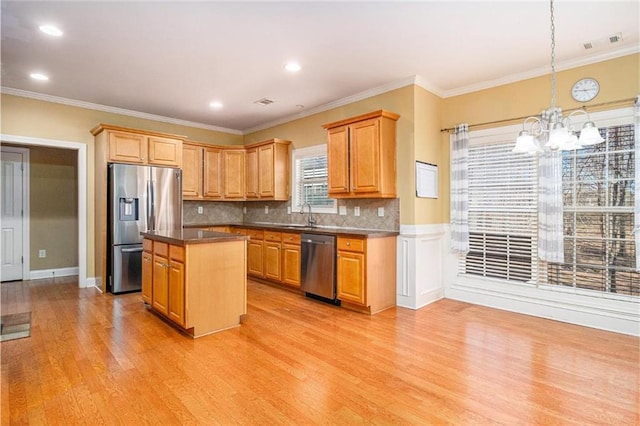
(151, 222)
(131, 250)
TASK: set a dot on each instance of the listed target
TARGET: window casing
(309, 178)
(598, 186)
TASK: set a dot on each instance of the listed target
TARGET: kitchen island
(195, 279)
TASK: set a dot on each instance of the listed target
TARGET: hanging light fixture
(550, 130)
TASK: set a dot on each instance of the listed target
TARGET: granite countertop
(192, 236)
(347, 232)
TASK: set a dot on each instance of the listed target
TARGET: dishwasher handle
(315, 242)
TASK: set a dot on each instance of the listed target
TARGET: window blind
(310, 180)
(502, 212)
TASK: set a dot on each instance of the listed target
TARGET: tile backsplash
(278, 213)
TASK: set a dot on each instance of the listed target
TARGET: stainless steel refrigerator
(141, 198)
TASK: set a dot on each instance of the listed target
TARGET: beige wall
(422, 115)
(53, 210)
(619, 79)
(308, 131)
(38, 119)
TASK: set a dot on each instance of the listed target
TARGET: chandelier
(550, 129)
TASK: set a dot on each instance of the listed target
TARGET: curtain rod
(584, 107)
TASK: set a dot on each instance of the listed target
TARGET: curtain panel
(636, 200)
(460, 189)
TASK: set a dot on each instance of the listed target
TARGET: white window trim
(311, 151)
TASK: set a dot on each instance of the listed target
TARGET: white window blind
(599, 190)
(310, 175)
(502, 212)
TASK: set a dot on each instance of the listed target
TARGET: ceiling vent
(263, 101)
(588, 46)
(615, 38)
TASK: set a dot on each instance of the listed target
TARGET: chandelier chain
(553, 59)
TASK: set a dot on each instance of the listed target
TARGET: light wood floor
(103, 359)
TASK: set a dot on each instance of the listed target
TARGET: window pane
(598, 187)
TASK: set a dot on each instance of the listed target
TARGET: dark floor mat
(15, 326)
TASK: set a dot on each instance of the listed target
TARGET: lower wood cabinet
(366, 273)
(199, 287)
(291, 259)
(272, 255)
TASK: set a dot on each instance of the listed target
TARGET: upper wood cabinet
(267, 170)
(234, 173)
(202, 172)
(361, 156)
(138, 146)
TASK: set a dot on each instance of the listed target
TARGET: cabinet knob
(348, 243)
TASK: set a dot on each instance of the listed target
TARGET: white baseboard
(52, 273)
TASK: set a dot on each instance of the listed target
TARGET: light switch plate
(288, 209)
(342, 210)
(356, 211)
(381, 211)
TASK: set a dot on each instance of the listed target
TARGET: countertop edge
(207, 237)
(368, 233)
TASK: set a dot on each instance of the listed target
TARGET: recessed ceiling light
(51, 30)
(293, 67)
(216, 105)
(38, 76)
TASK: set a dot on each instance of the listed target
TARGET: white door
(12, 205)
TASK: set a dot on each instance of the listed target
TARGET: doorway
(81, 150)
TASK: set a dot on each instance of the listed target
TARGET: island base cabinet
(201, 288)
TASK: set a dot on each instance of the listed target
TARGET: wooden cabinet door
(265, 170)
(291, 264)
(165, 152)
(234, 174)
(147, 277)
(212, 173)
(160, 291)
(255, 258)
(364, 152)
(338, 160)
(176, 293)
(127, 147)
(191, 171)
(351, 277)
(272, 262)
(251, 183)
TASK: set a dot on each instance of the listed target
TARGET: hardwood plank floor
(104, 359)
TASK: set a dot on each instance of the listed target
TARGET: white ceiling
(173, 58)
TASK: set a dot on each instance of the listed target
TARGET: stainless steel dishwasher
(318, 267)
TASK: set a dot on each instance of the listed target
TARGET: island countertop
(192, 236)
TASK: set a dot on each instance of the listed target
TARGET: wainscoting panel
(420, 266)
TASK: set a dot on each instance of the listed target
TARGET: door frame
(81, 148)
(25, 207)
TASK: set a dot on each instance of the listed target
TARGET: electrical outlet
(342, 210)
(244, 210)
(200, 210)
(266, 209)
(42, 253)
(356, 211)
(381, 211)
(288, 209)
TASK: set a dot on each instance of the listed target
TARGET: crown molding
(537, 72)
(113, 110)
(408, 81)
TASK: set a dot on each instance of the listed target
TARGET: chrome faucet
(310, 220)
